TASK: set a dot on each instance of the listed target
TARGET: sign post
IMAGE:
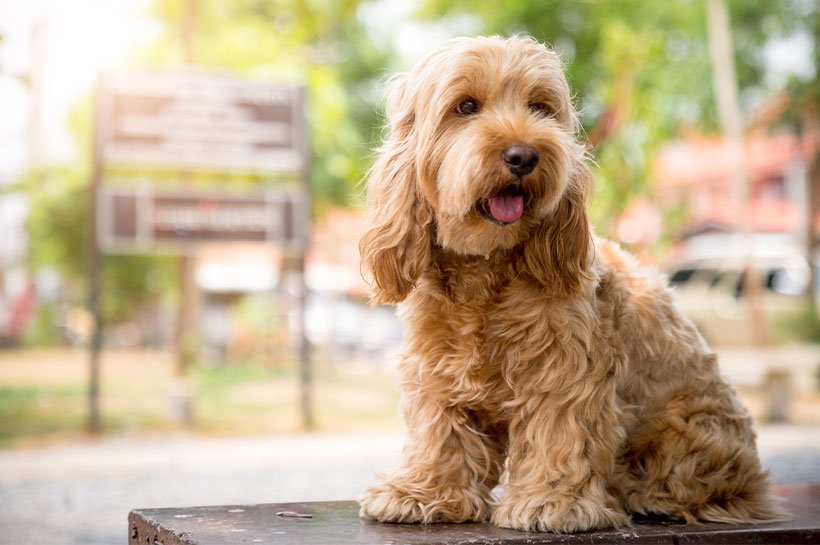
(94, 280)
(193, 121)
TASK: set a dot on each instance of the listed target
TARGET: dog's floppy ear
(397, 243)
(560, 253)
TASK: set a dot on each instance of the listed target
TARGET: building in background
(696, 172)
(707, 262)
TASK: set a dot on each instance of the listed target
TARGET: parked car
(713, 294)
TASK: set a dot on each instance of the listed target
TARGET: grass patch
(252, 398)
(802, 325)
(214, 380)
(43, 396)
(36, 413)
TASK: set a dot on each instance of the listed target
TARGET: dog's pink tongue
(507, 208)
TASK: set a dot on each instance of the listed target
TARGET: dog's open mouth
(503, 207)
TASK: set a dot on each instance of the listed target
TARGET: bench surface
(337, 523)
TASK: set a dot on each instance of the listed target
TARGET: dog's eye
(467, 107)
(539, 108)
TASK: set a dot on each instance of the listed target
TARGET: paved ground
(81, 494)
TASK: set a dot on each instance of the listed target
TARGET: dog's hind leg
(696, 460)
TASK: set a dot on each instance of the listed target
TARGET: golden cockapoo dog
(537, 356)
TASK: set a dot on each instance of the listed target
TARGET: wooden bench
(337, 523)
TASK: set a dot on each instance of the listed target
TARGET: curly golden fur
(537, 355)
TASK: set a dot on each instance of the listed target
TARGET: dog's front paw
(389, 502)
(562, 515)
(386, 503)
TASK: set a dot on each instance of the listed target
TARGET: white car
(712, 293)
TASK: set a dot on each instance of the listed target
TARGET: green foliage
(800, 325)
(41, 330)
(58, 231)
(38, 412)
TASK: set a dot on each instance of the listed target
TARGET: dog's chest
(470, 335)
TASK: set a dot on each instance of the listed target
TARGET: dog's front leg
(447, 472)
(565, 435)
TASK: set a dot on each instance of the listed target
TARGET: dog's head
(481, 156)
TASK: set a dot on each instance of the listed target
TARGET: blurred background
(182, 316)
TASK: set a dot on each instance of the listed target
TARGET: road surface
(81, 494)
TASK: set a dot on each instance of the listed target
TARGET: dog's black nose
(520, 159)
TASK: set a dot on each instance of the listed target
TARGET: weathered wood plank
(337, 523)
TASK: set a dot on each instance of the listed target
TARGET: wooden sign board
(142, 220)
(187, 119)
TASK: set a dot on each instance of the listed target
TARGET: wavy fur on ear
(560, 253)
(397, 243)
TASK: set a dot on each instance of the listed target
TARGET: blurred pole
(186, 334)
(305, 367)
(304, 218)
(181, 399)
(94, 274)
(725, 81)
(810, 125)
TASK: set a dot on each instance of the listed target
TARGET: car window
(768, 280)
(681, 276)
(740, 287)
(786, 281)
(779, 280)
